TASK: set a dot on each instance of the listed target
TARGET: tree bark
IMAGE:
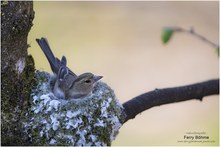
(17, 69)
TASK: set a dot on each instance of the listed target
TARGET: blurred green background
(122, 42)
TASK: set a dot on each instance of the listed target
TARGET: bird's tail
(54, 63)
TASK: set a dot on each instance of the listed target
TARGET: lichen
(14, 106)
(4, 2)
(93, 120)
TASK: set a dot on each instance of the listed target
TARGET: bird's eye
(88, 81)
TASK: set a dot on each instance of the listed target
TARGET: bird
(67, 85)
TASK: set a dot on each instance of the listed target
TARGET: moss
(4, 3)
(93, 120)
(17, 83)
(14, 106)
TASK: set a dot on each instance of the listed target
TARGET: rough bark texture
(17, 69)
(169, 95)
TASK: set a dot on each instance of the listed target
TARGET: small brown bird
(68, 85)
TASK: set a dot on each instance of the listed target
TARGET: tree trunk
(17, 69)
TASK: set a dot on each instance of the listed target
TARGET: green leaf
(167, 34)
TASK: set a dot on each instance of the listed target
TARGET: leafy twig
(168, 32)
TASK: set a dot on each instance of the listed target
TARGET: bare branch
(191, 31)
(169, 95)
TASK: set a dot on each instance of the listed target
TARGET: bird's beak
(96, 78)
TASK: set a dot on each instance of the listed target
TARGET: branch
(192, 32)
(169, 95)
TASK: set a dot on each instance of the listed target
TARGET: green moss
(15, 101)
(93, 120)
